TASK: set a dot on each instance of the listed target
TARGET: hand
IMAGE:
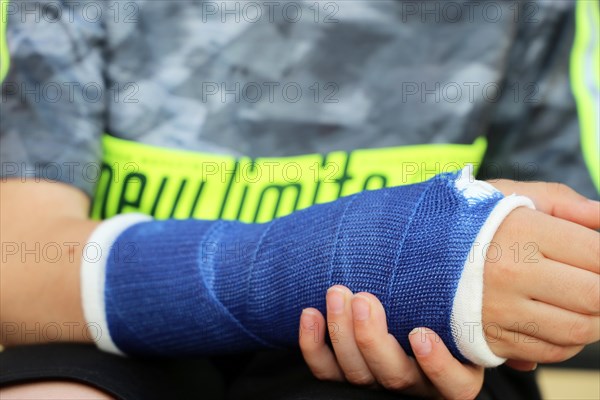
(366, 346)
(365, 354)
(562, 202)
(541, 299)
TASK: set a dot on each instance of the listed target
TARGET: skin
(547, 323)
(53, 390)
(44, 291)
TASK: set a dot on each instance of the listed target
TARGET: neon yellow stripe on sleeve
(4, 56)
(585, 81)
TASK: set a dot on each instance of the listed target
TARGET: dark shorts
(273, 375)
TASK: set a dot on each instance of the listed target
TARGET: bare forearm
(43, 232)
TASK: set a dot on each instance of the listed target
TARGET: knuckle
(364, 340)
(509, 271)
(321, 374)
(435, 372)
(554, 354)
(580, 332)
(397, 382)
(594, 249)
(504, 273)
(359, 378)
(591, 297)
(557, 188)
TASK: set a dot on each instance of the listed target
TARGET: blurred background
(577, 378)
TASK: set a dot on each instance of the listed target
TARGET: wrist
(467, 309)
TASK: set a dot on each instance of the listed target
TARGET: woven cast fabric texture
(208, 287)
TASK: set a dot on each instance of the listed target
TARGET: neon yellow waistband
(167, 183)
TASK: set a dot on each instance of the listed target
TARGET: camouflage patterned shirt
(281, 78)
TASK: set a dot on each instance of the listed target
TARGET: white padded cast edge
(93, 274)
(466, 318)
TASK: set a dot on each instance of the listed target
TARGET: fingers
(565, 203)
(522, 347)
(567, 242)
(527, 235)
(547, 323)
(555, 199)
(341, 332)
(390, 365)
(561, 285)
(366, 354)
(453, 379)
(318, 356)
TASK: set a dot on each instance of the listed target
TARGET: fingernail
(420, 341)
(335, 301)
(361, 308)
(307, 319)
(534, 367)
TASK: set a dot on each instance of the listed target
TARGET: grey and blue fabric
(372, 74)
